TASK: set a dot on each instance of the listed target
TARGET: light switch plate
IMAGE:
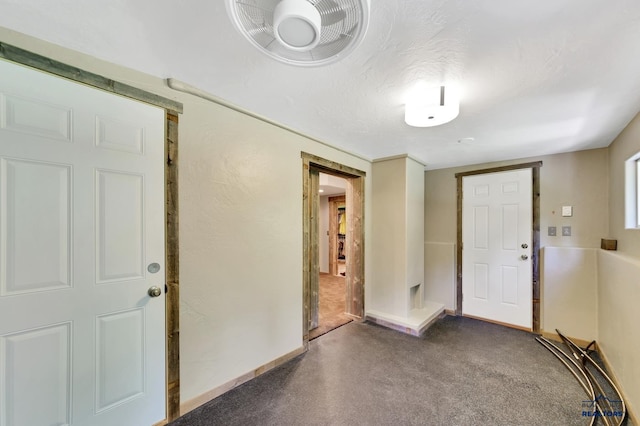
(567, 211)
(566, 231)
(551, 231)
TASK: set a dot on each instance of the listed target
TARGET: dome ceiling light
(432, 106)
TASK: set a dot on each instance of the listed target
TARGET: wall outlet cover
(567, 211)
(551, 231)
(566, 231)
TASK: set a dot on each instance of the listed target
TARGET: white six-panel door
(81, 220)
(496, 247)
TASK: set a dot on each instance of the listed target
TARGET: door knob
(154, 291)
(525, 245)
(524, 257)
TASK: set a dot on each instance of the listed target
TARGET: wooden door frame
(535, 234)
(334, 202)
(172, 109)
(312, 165)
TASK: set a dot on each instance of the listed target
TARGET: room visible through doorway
(312, 167)
(332, 255)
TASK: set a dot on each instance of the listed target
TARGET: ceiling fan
(302, 32)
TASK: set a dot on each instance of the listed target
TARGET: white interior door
(81, 220)
(496, 247)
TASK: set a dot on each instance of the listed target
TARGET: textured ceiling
(536, 77)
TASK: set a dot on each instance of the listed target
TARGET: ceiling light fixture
(431, 106)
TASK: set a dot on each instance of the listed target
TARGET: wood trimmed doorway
(535, 235)
(172, 109)
(354, 304)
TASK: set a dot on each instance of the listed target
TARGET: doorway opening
(344, 242)
(332, 220)
(535, 236)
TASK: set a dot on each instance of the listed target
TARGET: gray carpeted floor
(461, 372)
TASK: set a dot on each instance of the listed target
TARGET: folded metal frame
(580, 354)
(586, 384)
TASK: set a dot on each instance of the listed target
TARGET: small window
(632, 192)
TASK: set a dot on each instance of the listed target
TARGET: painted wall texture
(569, 291)
(415, 230)
(618, 319)
(241, 242)
(389, 280)
(618, 272)
(626, 145)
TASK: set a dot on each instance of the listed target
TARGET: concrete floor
(461, 372)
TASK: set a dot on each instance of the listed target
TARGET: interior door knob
(524, 257)
(525, 245)
(154, 291)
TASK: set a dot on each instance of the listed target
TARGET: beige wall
(625, 145)
(398, 203)
(241, 242)
(569, 291)
(618, 282)
(618, 319)
(415, 227)
(389, 241)
(440, 273)
(240, 230)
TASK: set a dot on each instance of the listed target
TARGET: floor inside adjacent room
(460, 372)
(332, 301)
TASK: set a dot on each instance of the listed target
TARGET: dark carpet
(331, 301)
(461, 372)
